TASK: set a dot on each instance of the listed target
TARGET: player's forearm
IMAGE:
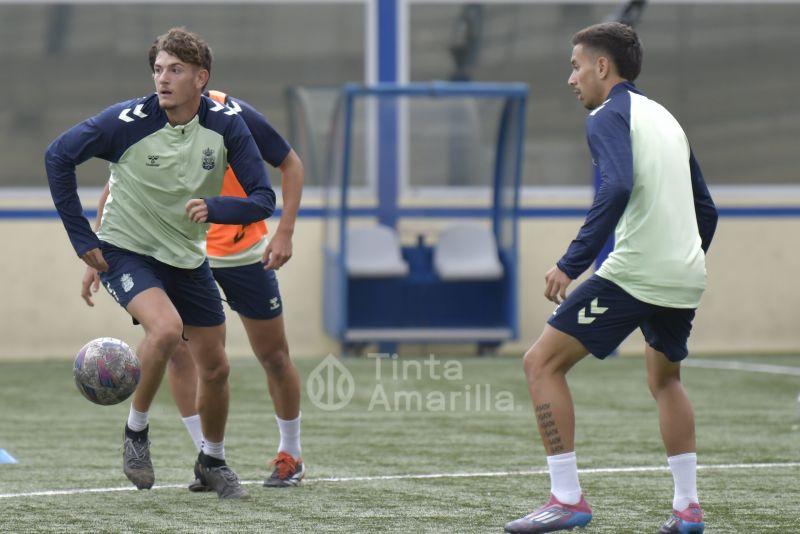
(64, 191)
(707, 218)
(292, 178)
(705, 210)
(606, 210)
(257, 206)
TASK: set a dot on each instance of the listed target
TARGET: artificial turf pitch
(441, 444)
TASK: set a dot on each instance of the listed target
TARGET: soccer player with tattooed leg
(653, 197)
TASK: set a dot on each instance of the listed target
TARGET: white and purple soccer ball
(106, 371)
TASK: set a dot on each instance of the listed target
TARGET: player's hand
(89, 285)
(555, 287)
(278, 251)
(94, 259)
(197, 210)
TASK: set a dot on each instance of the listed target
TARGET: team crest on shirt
(208, 159)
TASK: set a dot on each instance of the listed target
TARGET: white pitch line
(743, 366)
(76, 491)
(588, 470)
(378, 478)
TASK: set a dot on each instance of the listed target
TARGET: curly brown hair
(185, 45)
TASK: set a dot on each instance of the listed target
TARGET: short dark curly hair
(185, 45)
(618, 41)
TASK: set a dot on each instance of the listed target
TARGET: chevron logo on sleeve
(217, 106)
(234, 108)
(123, 115)
(231, 109)
(588, 314)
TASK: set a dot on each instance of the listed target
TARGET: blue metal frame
(348, 128)
(439, 88)
(387, 113)
(388, 38)
(387, 211)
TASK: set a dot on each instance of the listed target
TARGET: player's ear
(202, 77)
(603, 66)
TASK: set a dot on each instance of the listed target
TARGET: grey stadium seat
(467, 251)
(374, 252)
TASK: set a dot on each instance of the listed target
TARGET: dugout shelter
(421, 201)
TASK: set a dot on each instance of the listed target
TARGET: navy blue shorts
(250, 290)
(600, 314)
(193, 292)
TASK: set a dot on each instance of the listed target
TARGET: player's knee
(655, 386)
(165, 337)
(540, 363)
(533, 364)
(275, 360)
(216, 373)
(181, 360)
(658, 383)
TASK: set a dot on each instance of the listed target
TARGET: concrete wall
(739, 124)
(750, 304)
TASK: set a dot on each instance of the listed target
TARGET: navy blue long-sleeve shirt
(654, 198)
(155, 169)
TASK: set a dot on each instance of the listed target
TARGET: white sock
(192, 424)
(684, 474)
(290, 436)
(564, 477)
(214, 449)
(138, 421)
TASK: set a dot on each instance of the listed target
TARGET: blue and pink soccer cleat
(689, 521)
(552, 517)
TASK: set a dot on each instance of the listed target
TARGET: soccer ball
(106, 371)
